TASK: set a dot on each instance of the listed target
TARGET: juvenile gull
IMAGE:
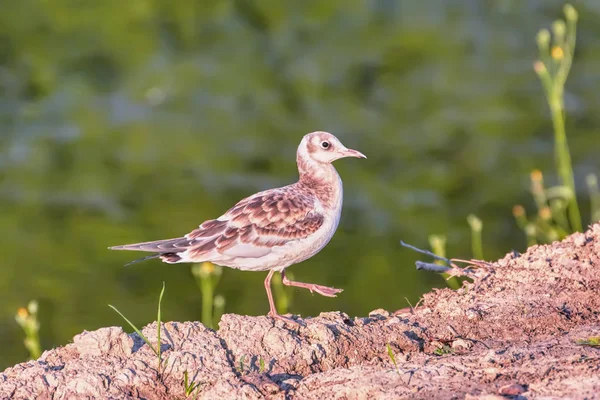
(273, 229)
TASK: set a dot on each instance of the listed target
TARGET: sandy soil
(510, 333)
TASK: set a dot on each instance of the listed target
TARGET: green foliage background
(137, 120)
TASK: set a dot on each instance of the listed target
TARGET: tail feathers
(157, 246)
(167, 250)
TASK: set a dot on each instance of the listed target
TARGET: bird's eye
(325, 144)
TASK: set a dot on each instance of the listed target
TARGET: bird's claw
(325, 290)
(286, 320)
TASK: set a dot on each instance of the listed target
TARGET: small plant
(550, 222)
(261, 364)
(557, 208)
(240, 367)
(553, 69)
(207, 277)
(27, 319)
(190, 386)
(591, 341)
(393, 358)
(157, 349)
(445, 349)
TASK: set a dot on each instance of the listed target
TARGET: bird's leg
(273, 311)
(322, 290)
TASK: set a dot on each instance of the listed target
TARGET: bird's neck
(321, 179)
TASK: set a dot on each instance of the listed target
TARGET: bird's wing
(256, 224)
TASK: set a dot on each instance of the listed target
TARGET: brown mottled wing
(256, 224)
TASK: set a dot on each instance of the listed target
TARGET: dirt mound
(513, 331)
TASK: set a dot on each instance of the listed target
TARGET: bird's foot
(286, 320)
(324, 290)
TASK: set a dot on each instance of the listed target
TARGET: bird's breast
(331, 212)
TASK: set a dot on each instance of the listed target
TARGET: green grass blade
(196, 386)
(158, 351)
(591, 341)
(189, 387)
(392, 357)
(144, 338)
(242, 358)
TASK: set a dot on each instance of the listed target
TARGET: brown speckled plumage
(266, 220)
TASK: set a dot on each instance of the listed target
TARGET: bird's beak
(353, 153)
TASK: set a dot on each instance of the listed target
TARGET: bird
(273, 229)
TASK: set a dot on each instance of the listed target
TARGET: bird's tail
(157, 246)
(167, 249)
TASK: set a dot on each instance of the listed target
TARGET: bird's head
(324, 148)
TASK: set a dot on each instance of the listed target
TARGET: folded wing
(256, 224)
(250, 229)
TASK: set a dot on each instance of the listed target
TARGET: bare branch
(432, 267)
(451, 268)
(426, 252)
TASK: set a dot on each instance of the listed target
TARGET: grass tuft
(190, 386)
(157, 349)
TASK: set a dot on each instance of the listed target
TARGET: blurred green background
(132, 121)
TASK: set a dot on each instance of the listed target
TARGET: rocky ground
(512, 332)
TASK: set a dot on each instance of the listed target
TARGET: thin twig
(432, 267)
(477, 263)
(451, 268)
(426, 252)
(452, 271)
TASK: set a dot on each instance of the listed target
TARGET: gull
(273, 229)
